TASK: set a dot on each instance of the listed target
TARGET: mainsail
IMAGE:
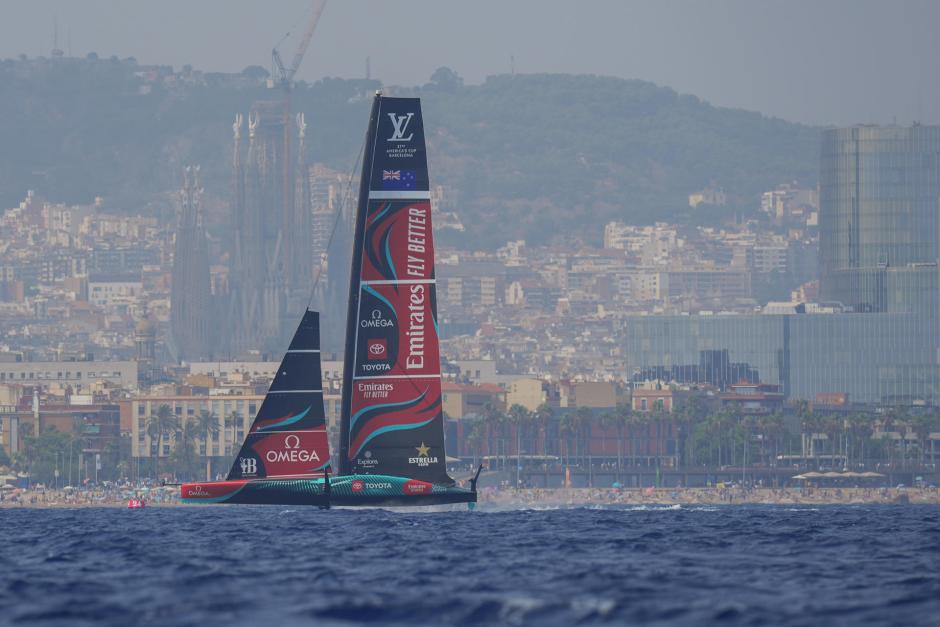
(392, 419)
(288, 436)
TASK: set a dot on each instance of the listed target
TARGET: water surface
(251, 565)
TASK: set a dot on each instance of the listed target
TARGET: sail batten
(392, 417)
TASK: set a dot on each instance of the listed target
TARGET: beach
(537, 497)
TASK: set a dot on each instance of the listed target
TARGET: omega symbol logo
(249, 465)
(400, 122)
(376, 314)
(292, 442)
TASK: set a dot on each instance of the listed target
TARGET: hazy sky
(816, 61)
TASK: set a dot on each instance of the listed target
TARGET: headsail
(288, 436)
(392, 419)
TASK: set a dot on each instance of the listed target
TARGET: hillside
(528, 156)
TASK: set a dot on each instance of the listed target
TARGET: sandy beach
(574, 497)
(538, 497)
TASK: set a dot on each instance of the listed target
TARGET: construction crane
(284, 76)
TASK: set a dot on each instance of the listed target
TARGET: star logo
(423, 450)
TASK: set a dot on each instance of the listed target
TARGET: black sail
(392, 418)
(288, 436)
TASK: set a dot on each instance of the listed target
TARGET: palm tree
(567, 428)
(923, 424)
(184, 453)
(584, 419)
(518, 417)
(475, 438)
(861, 427)
(544, 413)
(159, 425)
(207, 425)
(494, 419)
(616, 420)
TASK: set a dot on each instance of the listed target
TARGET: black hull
(344, 491)
(403, 501)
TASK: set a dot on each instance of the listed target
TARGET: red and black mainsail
(392, 418)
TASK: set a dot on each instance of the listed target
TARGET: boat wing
(392, 418)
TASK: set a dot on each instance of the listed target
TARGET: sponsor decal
(375, 320)
(412, 486)
(198, 491)
(399, 179)
(400, 127)
(367, 461)
(424, 459)
(415, 332)
(292, 452)
(412, 346)
(248, 465)
(375, 390)
(417, 240)
(378, 348)
(358, 485)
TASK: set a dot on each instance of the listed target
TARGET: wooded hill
(534, 157)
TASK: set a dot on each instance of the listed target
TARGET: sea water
(258, 566)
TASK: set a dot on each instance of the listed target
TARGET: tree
(445, 80)
(519, 418)
(923, 424)
(544, 414)
(475, 438)
(159, 425)
(184, 456)
(494, 419)
(207, 425)
(584, 420)
(4, 458)
(255, 72)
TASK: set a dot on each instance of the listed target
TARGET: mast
(353, 304)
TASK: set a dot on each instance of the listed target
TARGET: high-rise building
(879, 191)
(879, 243)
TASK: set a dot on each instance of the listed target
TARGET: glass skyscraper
(878, 194)
(879, 244)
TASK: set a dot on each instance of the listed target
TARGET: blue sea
(259, 566)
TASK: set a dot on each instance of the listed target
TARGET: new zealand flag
(399, 179)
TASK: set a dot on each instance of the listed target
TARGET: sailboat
(391, 424)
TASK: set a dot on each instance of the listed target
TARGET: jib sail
(288, 436)
(392, 419)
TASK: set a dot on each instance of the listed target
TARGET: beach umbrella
(8, 486)
(800, 477)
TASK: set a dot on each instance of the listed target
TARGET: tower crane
(283, 76)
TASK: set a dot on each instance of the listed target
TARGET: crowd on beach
(105, 494)
(112, 494)
(728, 495)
